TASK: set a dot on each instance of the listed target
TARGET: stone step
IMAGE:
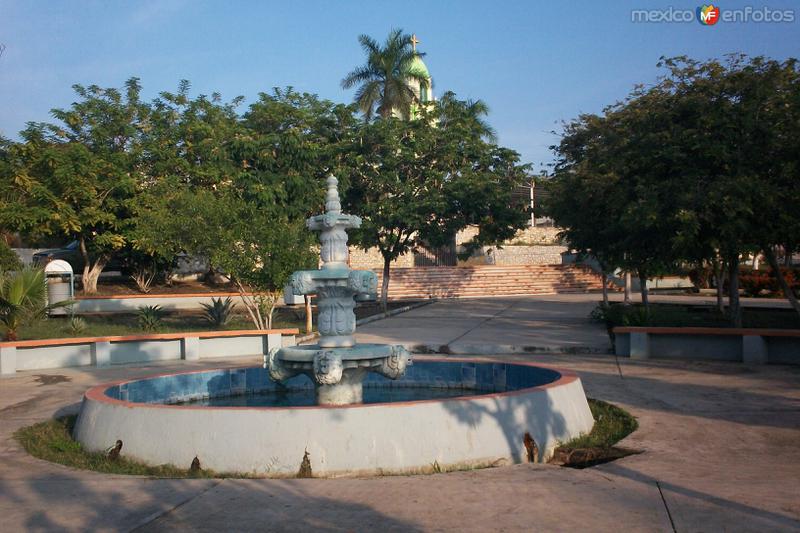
(490, 280)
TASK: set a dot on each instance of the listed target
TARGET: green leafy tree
(698, 168)
(9, 260)
(79, 177)
(384, 81)
(415, 183)
(246, 216)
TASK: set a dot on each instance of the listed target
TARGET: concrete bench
(132, 349)
(754, 346)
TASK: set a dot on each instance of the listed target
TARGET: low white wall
(51, 357)
(232, 347)
(122, 353)
(110, 351)
(748, 347)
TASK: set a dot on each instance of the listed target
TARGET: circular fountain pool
(443, 412)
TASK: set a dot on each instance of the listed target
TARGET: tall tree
(384, 81)
(416, 183)
(81, 174)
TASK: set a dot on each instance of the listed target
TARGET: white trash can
(59, 278)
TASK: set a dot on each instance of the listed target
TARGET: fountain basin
(463, 412)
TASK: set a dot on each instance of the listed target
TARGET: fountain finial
(332, 203)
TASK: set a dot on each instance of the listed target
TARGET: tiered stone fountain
(442, 412)
(336, 364)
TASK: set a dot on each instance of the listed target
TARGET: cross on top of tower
(414, 41)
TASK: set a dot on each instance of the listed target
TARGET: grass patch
(112, 324)
(52, 441)
(611, 425)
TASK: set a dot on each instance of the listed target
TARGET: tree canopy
(700, 167)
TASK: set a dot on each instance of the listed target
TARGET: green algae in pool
(306, 397)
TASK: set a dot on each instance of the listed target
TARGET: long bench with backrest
(479, 281)
(131, 349)
(756, 346)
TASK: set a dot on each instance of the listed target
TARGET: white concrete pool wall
(104, 351)
(373, 438)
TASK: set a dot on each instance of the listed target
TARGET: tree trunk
(91, 271)
(385, 284)
(787, 291)
(270, 304)
(627, 298)
(604, 280)
(719, 282)
(645, 294)
(733, 291)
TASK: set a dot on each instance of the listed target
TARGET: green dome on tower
(418, 67)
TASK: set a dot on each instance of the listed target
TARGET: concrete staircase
(481, 281)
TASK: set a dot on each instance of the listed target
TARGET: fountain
(337, 406)
(336, 364)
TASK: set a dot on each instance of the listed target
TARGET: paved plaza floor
(719, 444)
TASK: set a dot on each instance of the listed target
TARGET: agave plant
(150, 317)
(76, 325)
(23, 298)
(219, 311)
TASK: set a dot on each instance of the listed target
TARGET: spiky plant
(76, 325)
(219, 311)
(23, 298)
(150, 317)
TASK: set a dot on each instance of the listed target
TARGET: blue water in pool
(305, 397)
(251, 387)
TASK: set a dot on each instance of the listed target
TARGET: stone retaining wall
(524, 255)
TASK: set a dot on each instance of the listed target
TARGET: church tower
(424, 90)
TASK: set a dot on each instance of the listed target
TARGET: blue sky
(534, 63)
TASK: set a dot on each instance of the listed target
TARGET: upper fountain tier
(333, 225)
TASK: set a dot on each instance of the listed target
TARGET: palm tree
(471, 111)
(23, 298)
(384, 81)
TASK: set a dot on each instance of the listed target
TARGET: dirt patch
(47, 379)
(586, 457)
(123, 286)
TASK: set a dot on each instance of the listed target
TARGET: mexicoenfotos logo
(707, 15)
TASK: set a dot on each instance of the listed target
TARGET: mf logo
(707, 15)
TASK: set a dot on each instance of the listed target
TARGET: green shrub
(615, 315)
(218, 312)
(76, 325)
(23, 300)
(150, 318)
(9, 260)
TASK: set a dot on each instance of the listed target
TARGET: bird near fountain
(336, 364)
(112, 453)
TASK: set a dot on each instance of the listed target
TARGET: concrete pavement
(719, 443)
(556, 323)
(553, 323)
